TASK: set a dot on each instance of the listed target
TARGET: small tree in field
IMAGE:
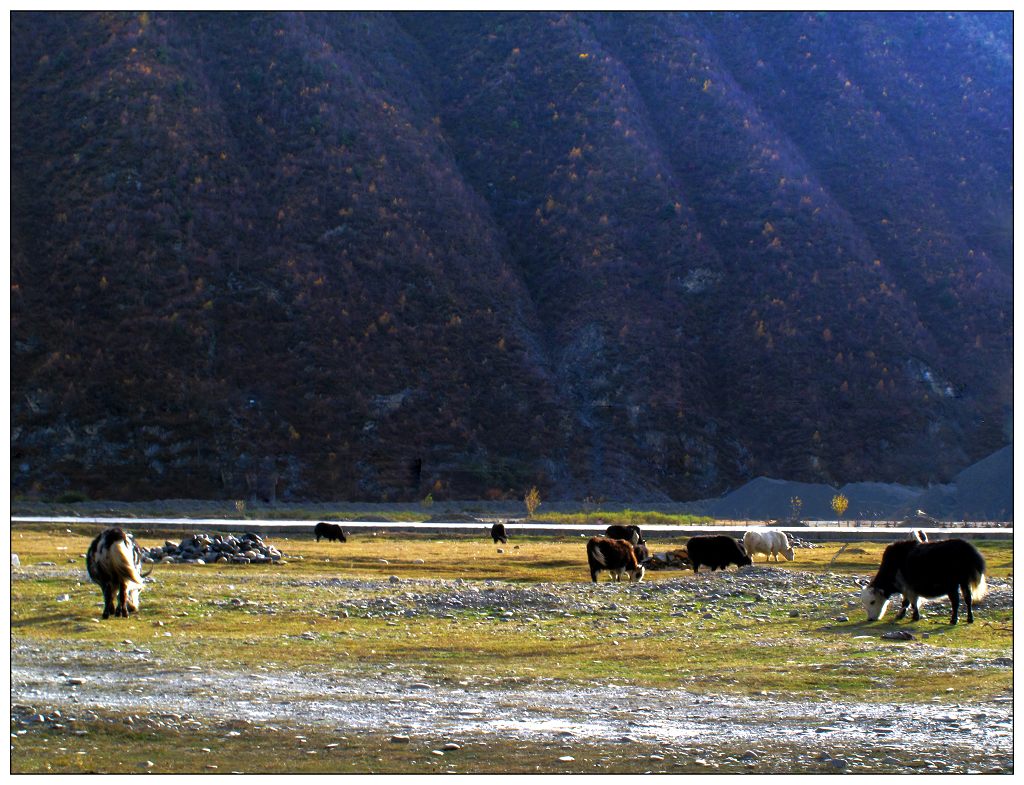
(795, 504)
(839, 504)
(532, 501)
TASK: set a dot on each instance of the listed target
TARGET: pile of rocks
(796, 542)
(220, 549)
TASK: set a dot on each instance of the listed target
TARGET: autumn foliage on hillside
(376, 256)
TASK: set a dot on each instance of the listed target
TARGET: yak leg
(122, 596)
(903, 608)
(913, 606)
(954, 600)
(108, 600)
(593, 575)
(968, 601)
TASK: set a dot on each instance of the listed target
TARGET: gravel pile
(752, 591)
(249, 548)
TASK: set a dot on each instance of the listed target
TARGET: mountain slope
(627, 255)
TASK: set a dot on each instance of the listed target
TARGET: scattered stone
(794, 614)
(452, 746)
(1006, 662)
(897, 635)
(400, 739)
(838, 763)
(567, 759)
(63, 597)
(15, 561)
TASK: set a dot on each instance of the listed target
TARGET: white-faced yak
(616, 556)
(630, 533)
(915, 569)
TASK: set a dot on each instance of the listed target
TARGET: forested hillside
(635, 256)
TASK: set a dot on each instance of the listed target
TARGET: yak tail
(594, 553)
(979, 588)
(122, 562)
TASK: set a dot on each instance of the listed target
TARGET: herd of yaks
(914, 568)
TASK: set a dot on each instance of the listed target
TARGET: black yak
(716, 551)
(630, 533)
(331, 531)
(616, 556)
(498, 533)
(918, 569)
(114, 561)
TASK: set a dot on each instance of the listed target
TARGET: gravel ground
(859, 736)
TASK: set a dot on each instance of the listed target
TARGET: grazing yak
(918, 569)
(770, 542)
(114, 561)
(498, 533)
(716, 551)
(331, 531)
(616, 556)
(630, 533)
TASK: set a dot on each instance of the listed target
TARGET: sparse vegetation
(796, 504)
(839, 504)
(532, 501)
